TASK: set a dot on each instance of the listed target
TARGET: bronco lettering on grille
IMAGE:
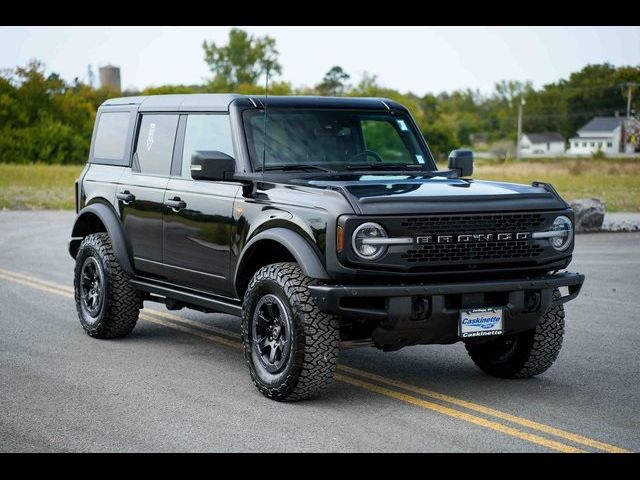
(472, 237)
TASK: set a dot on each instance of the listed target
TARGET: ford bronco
(324, 223)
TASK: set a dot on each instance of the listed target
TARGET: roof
(222, 101)
(585, 139)
(544, 137)
(602, 124)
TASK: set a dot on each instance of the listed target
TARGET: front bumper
(428, 313)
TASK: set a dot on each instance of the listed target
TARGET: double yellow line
(534, 432)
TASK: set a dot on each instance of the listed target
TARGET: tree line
(44, 118)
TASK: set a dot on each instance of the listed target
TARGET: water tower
(110, 77)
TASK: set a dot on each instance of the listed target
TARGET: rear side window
(156, 139)
(111, 137)
(205, 132)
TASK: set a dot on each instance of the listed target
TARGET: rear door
(140, 195)
(197, 229)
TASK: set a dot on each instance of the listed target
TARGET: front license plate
(480, 322)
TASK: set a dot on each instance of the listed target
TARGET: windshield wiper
(385, 166)
(297, 166)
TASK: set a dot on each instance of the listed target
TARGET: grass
(37, 186)
(615, 180)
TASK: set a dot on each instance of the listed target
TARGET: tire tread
(123, 302)
(536, 354)
(318, 359)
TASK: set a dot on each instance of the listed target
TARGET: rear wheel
(107, 304)
(291, 347)
(524, 354)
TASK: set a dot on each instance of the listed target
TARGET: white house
(544, 143)
(601, 133)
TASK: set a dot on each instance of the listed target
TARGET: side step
(189, 297)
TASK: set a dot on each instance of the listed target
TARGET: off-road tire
(315, 335)
(122, 302)
(533, 353)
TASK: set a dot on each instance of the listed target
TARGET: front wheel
(291, 348)
(525, 354)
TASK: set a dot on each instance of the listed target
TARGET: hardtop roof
(222, 101)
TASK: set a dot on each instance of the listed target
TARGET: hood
(414, 194)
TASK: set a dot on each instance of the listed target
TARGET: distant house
(479, 140)
(601, 133)
(543, 143)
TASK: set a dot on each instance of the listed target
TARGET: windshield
(333, 140)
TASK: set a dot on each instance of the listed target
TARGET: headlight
(366, 241)
(560, 234)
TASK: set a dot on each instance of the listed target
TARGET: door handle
(176, 204)
(127, 197)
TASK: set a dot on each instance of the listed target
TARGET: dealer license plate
(480, 322)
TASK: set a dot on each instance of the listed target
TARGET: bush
(46, 142)
(44, 119)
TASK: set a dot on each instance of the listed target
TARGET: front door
(198, 216)
(141, 191)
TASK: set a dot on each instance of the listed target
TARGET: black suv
(324, 223)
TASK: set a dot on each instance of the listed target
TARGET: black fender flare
(295, 243)
(108, 217)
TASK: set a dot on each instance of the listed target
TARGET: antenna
(264, 128)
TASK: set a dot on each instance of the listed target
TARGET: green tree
(334, 82)
(44, 119)
(242, 60)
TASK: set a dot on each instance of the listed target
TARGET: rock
(589, 214)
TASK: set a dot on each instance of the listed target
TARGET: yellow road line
(186, 321)
(27, 278)
(467, 417)
(514, 432)
(531, 424)
(147, 315)
(206, 336)
(487, 411)
(39, 286)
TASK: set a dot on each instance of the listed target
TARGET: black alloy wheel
(271, 332)
(92, 287)
(291, 347)
(107, 304)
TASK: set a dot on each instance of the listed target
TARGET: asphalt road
(179, 382)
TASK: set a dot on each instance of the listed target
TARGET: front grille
(459, 252)
(462, 224)
(471, 252)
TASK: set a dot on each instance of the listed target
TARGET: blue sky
(417, 59)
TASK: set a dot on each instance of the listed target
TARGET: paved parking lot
(179, 381)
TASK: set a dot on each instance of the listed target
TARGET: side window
(111, 137)
(156, 138)
(205, 132)
(381, 137)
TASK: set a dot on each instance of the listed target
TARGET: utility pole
(521, 104)
(629, 86)
(627, 125)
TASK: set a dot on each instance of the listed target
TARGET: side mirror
(461, 160)
(212, 165)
